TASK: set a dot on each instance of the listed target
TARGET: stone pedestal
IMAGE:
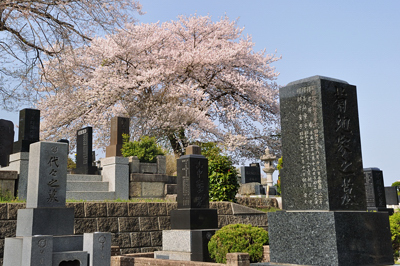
(116, 172)
(7, 182)
(19, 162)
(330, 238)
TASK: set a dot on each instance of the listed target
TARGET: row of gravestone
(29, 130)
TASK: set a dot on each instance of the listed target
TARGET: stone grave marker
(250, 174)
(6, 141)
(119, 126)
(324, 219)
(193, 223)
(375, 190)
(29, 129)
(84, 149)
(391, 196)
(45, 229)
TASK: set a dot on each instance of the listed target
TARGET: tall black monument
(84, 156)
(29, 129)
(6, 141)
(325, 219)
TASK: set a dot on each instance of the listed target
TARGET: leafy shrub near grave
(397, 184)
(146, 149)
(222, 175)
(238, 238)
(395, 231)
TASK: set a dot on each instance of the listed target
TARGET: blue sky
(355, 41)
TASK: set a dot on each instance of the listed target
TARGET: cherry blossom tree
(180, 81)
(31, 30)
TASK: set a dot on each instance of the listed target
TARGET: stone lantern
(269, 168)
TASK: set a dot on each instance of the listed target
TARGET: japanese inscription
(309, 136)
(52, 176)
(343, 142)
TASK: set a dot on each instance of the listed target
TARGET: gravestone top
(47, 182)
(251, 173)
(193, 149)
(6, 141)
(321, 146)
(192, 172)
(119, 126)
(374, 189)
(29, 129)
(84, 152)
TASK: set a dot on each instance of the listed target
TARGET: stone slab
(374, 188)
(47, 183)
(67, 243)
(194, 241)
(192, 172)
(29, 129)
(321, 146)
(330, 238)
(8, 175)
(28, 251)
(114, 160)
(6, 141)
(194, 219)
(45, 221)
(153, 189)
(20, 162)
(98, 246)
(391, 196)
(140, 177)
(116, 173)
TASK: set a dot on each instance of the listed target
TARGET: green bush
(146, 149)
(238, 238)
(278, 183)
(222, 175)
(397, 184)
(395, 231)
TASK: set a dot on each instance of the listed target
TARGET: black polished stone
(84, 152)
(391, 196)
(194, 219)
(330, 238)
(6, 141)
(375, 190)
(321, 146)
(192, 172)
(29, 129)
(250, 174)
(64, 141)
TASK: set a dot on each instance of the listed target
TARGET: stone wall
(135, 227)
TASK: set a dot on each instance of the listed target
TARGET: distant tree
(33, 30)
(179, 81)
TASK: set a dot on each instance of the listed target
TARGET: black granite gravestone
(250, 174)
(193, 203)
(6, 141)
(84, 156)
(375, 190)
(29, 129)
(324, 221)
(391, 196)
(64, 141)
(119, 126)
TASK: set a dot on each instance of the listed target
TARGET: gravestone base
(189, 245)
(390, 211)
(334, 237)
(19, 162)
(194, 219)
(7, 183)
(45, 221)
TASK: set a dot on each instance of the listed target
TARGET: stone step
(73, 177)
(87, 186)
(90, 195)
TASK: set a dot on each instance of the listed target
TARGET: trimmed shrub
(238, 238)
(395, 231)
(146, 149)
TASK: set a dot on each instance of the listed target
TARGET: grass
(272, 209)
